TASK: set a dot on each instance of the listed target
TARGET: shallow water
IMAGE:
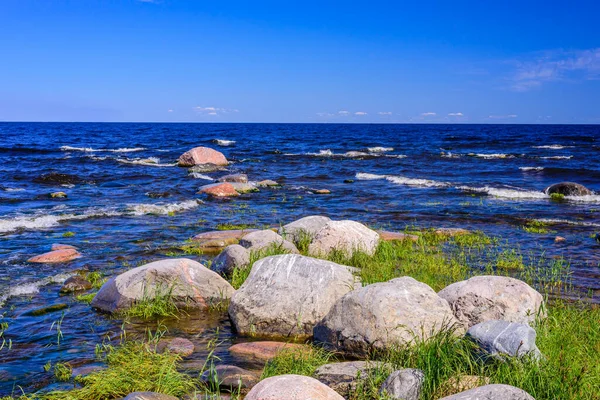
(487, 177)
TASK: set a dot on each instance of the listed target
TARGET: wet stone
(229, 377)
(75, 284)
(182, 346)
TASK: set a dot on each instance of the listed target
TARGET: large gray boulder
(287, 295)
(265, 239)
(499, 339)
(568, 189)
(190, 284)
(310, 226)
(232, 257)
(292, 387)
(485, 298)
(346, 236)
(344, 376)
(384, 315)
(403, 384)
(492, 392)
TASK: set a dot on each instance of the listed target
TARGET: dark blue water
(487, 177)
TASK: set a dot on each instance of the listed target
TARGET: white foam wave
(29, 288)
(402, 180)
(396, 155)
(363, 176)
(557, 158)
(14, 189)
(450, 155)
(223, 142)
(505, 192)
(150, 162)
(531, 168)
(92, 150)
(553, 147)
(566, 221)
(198, 175)
(355, 154)
(491, 156)
(142, 209)
(380, 149)
(37, 222)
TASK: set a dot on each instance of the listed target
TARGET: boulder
(244, 187)
(234, 256)
(214, 241)
(286, 295)
(56, 256)
(347, 236)
(403, 384)
(568, 189)
(191, 284)
(238, 178)
(492, 392)
(75, 283)
(182, 346)
(201, 155)
(485, 298)
(224, 189)
(344, 376)
(261, 352)
(265, 239)
(267, 183)
(310, 226)
(384, 315)
(292, 387)
(229, 378)
(499, 339)
(396, 236)
(149, 396)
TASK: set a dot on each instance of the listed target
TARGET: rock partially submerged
(234, 256)
(344, 376)
(239, 178)
(292, 387)
(308, 226)
(384, 315)
(267, 183)
(244, 187)
(492, 392)
(75, 283)
(287, 295)
(229, 378)
(568, 189)
(500, 339)
(485, 298)
(265, 239)
(56, 256)
(345, 236)
(182, 346)
(188, 283)
(201, 155)
(224, 189)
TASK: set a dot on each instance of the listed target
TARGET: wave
(351, 154)
(48, 221)
(24, 289)
(450, 155)
(14, 190)
(505, 192)
(401, 180)
(142, 209)
(363, 176)
(566, 222)
(553, 147)
(198, 175)
(491, 156)
(378, 149)
(222, 142)
(557, 158)
(531, 168)
(149, 162)
(92, 150)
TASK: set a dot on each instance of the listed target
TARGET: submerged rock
(568, 189)
(321, 191)
(46, 310)
(384, 315)
(234, 256)
(492, 392)
(499, 339)
(238, 178)
(246, 187)
(344, 376)
(346, 236)
(310, 226)
(396, 236)
(262, 351)
(75, 283)
(229, 378)
(265, 239)
(292, 387)
(485, 298)
(58, 178)
(403, 384)
(56, 256)
(190, 284)
(287, 295)
(267, 183)
(225, 189)
(58, 246)
(182, 346)
(201, 155)
(204, 168)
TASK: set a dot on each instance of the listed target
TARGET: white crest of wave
(531, 168)
(491, 156)
(505, 192)
(566, 221)
(150, 162)
(450, 155)
(142, 209)
(14, 189)
(396, 155)
(223, 142)
(353, 154)
(402, 180)
(323, 153)
(91, 150)
(557, 158)
(592, 198)
(198, 175)
(36, 222)
(29, 288)
(378, 149)
(363, 176)
(553, 147)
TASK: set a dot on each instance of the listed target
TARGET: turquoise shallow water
(487, 177)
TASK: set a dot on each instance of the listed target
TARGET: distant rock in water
(75, 284)
(238, 178)
(224, 189)
(56, 256)
(201, 155)
(568, 189)
(55, 178)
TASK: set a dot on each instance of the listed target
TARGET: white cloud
(344, 112)
(169, 110)
(384, 113)
(456, 114)
(214, 110)
(360, 113)
(428, 114)
(324, 114)
(502, 116)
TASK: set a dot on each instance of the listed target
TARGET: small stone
(58, 195)
(225, 189)
(499, 339)
(559, 239)
(238, 178)
(234, 256)
(262, 351)
(85, 370)
(346, 236)
(229, 377)
(267, 183)
(344, 376)
(182, 346)
(215, 241)
(56, 256)
(149, 396)
(404, 384)
(492, 392)
(321, 191)
(158, 195)
(75, 283)
(310, 226)
(204, 168)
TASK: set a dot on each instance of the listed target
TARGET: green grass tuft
(298, 362)
(155, 305)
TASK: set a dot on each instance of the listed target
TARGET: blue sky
(176, 60)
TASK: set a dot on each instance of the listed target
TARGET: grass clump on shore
(158, 304)
(234, 227)
(298, 362)
(535, 226)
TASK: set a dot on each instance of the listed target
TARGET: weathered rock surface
(460, 383)
(234, 256)
(246, 187)
(201, 155)
(398, 236)
(501, 338)
(191, 284)
(239, 178)
(75, 283)
(344, 376)
(204, 168)
(224, 189)
(58, 246)
(56, 256)
(229, 377)
(485, 298)
(347, 236)
(267, 183)
(403, 384)
(292, 387)
(263, 351)
(149, 396)
(286, 295)
(382, 315)
(182, 346)
(262, 240)
(214, 241)
(568, 189)
(492, 392)
(310, 226)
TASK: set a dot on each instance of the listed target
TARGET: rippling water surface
(487, 177)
